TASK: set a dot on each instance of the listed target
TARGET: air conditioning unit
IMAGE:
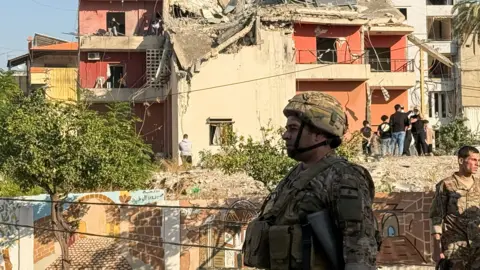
(94, 56)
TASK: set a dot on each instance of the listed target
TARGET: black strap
(298, 150)
(306, 244)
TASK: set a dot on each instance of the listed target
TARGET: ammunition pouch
(256, 246)
(285, 247)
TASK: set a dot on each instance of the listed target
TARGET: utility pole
(422, 84)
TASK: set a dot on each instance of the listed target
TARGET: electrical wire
(155, 242)
(53, 7)
(127, 205)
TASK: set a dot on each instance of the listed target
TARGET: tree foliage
(466, 20)
(264, 160)
(64, 147)
(454, 135)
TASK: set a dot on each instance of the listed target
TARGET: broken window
(439, 29)
(438, 70)
(379, 59)
(116, 23)
(403, 11)
(115, 76)
(326, 50)
(220, 130)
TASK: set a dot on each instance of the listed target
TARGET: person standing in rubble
(455, 215)
(185, 147)
(320, 215)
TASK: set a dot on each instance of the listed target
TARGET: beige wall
(470, 72)
(250, 104)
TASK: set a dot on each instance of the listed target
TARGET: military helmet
(319, 110)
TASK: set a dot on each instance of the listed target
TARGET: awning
(429, 50)
(19, 60)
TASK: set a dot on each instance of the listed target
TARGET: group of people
(396, 132)
(320, 216)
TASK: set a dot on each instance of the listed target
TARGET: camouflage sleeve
(437, 213)
(351, 205)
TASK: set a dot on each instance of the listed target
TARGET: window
(439, 29)
(380, 63)
(391, 231)
(440, 104)
(220, 130)
(403, 11)
(326, 50)
(116, 23)
(115, 76)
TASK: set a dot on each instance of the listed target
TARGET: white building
(432, 21)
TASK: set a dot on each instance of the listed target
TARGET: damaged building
(236, 64)
(201, 67)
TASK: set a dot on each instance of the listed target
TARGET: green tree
(466, 20)
(64, 147)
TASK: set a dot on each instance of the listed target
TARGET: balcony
(396, 73)
(105, 95)
(331, 65)
(119, 43)
(444, 46)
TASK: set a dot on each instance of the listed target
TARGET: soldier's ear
(460, 161)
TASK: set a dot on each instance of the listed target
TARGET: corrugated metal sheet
(406, 267)
(473, 116)
(62, 83)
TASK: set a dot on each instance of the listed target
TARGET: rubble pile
(401, 174)
(410, 173)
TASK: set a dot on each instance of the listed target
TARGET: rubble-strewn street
(389, 174)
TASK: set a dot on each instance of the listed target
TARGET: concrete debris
(402, 174)
(212, 26)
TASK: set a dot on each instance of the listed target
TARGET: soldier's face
(470, 164)
(307, 138)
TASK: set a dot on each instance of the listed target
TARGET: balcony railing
(343, 56)
(391, 65)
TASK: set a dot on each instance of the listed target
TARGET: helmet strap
(298, 150)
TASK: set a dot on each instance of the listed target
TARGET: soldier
(288, 233)
(455, 214)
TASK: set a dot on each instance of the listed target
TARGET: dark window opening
(220, 131)
(403, 11)
(379, 61)
(116, 23)
(439, 70)
(439, 2)
(326, 50)
(116, 79)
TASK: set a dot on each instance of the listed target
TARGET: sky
(20, 19)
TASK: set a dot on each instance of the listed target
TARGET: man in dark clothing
(367, 138)
(399, 123)
(408, 136)
(385, 133)
(419, 134)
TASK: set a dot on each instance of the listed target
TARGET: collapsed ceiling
(200, 29)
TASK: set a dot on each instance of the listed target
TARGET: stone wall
(146, 226)
(44, 241)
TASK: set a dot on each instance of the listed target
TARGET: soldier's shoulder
(448, 183)
(345, 171)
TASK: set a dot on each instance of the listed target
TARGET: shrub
(264, 160)
(454, 135)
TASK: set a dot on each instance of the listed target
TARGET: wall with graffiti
(141, 230)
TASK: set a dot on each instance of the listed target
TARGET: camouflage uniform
(359, 244)
(455, 214)
(353, 219)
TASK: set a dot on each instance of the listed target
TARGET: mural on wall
(9, 212)
(97, 219)
(206, 228)
(403, 219)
